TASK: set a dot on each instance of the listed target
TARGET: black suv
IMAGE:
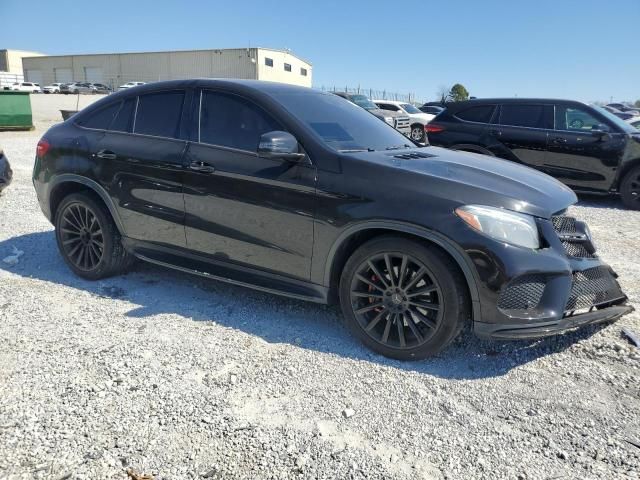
(581, 145)
(293, 191)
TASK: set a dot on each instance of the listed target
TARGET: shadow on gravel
(601, 202)
(153, 290)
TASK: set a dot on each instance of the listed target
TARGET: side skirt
(207, 267)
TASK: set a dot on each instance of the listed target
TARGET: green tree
(458, 93)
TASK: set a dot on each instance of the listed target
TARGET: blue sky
(581, 49)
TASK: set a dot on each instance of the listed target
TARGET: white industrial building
(11, 66)
(115, 69)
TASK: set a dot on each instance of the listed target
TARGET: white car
(418, 119)
(26, 87)
(130, 85)
(53, 88)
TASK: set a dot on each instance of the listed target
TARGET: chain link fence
(374, 94)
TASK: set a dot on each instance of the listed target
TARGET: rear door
(521, 133)
(240, 207)
(579, 156)
(141, 164)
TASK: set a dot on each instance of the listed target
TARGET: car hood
(469, 178)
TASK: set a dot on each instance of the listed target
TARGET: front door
(240, 207)
(580, 156)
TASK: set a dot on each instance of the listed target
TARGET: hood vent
(412, 155)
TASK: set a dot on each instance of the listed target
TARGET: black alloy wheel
(402, 298)
(82, 236)
(396, 300)
(630, 189)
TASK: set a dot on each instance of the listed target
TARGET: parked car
(635, 123)
(26, 87)
(293, 191)
(53, 88)
(618, 113)
(584, 146)
(431, 109)
(400, 122)
(418, 119)
(624, 107)
(76, 87)
(5, 172)
(101, 88)
(130, 85)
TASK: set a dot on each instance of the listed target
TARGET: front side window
(480, 114)
(287, 67)
(159, 114)
(523, 116)
(101, 118)
(232, 121)
(575, 119)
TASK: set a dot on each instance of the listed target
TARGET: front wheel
(417, 133)
(630, 189)
(403, 299)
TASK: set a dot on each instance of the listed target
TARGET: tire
(417, 133)
(88, 239)
(373, 308)
(630, 189)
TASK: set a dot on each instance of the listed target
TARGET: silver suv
(399, 121)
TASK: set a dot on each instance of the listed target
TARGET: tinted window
(523, 116)
(481, 114)
(232, 121)
(101, 118)
(287, 67)
(159, 114)
(569, 118)
(124, 119)
(268, 62)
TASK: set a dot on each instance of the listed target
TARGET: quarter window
(232, 121)
(159, 114)
(574, 119)
(523, 116)
(124, 119)
(101, 118)
(303, 72)
(480, 114)
(268, 61)
(287, 67)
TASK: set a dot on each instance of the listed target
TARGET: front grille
(402, 122)
(594, 286)
(523, 293)
(564, 225)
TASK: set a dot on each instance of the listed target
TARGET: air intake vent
(412, 155)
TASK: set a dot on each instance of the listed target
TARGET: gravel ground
(167, 375)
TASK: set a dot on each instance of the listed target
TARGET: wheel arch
(69, 183)
(354, 236)
(625, 168)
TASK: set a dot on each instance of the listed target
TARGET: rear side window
(124, 118)
(523, 116)
(480, 114)
(159, 114)
(100, 119)
(232, 121)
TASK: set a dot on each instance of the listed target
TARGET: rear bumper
(542, 329)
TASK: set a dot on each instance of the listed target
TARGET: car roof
(256, 85)
(511, 100)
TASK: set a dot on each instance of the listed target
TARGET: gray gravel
(167, 375)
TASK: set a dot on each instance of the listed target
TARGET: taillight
(42, 148)
(431, 128)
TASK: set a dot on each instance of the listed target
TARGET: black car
(293, 191)
(5, 172)
(431, 109)
(584, 146)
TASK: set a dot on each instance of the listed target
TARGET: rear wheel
(417, 133)
(88, 238)
(630, 189)
(402, 299)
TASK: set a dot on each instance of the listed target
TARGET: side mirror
(279, 145)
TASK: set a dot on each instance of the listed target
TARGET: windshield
(340, 124)
(407, 107)
(363, 102)
(621, 124)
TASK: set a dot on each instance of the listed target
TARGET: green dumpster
(15, 111)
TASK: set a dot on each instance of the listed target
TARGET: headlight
(503, 225)
(389, 120)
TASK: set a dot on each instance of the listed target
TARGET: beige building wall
(277, 72)
(11, 60)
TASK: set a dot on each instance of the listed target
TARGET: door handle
(559, 140)
(495, 133)
(106, 155)
(202, 167)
